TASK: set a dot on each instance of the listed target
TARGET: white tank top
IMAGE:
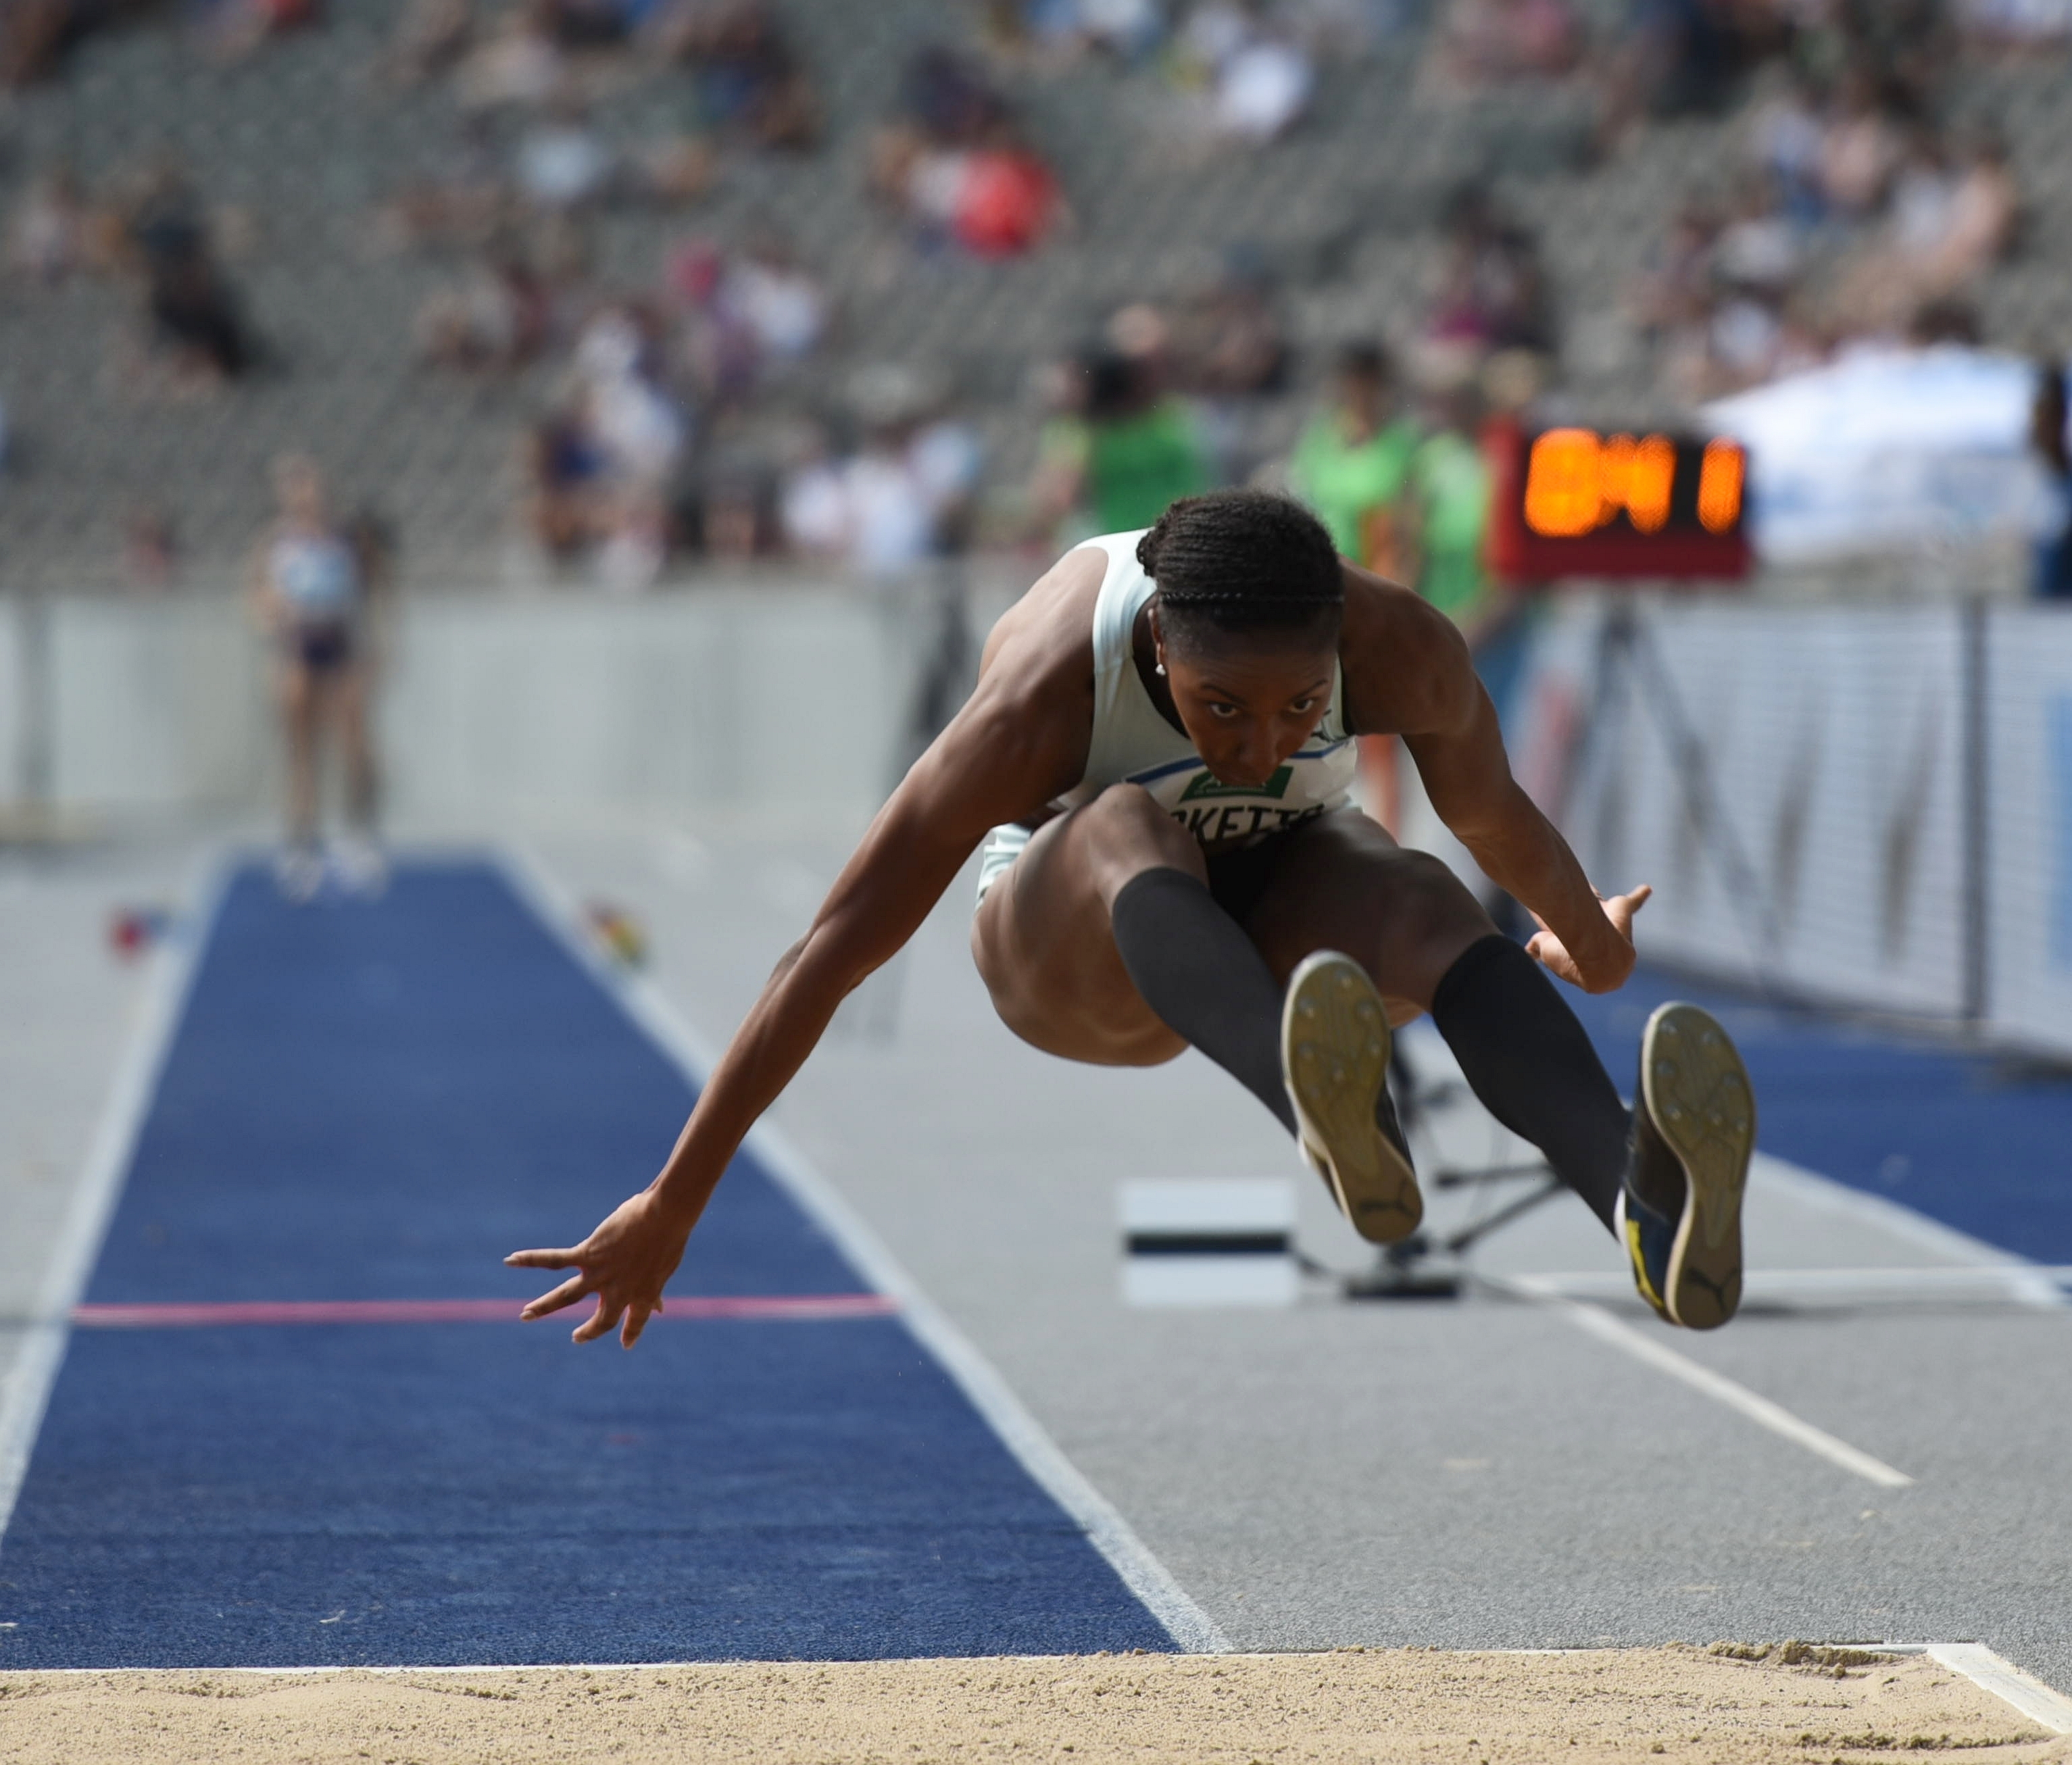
(316, 575)
(1134, 744)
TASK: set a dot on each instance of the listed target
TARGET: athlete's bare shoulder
(1039, 658)
(1051, 626)
(1030, 718)
(1407, 667)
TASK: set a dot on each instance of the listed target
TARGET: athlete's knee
(1128, 832)
(1429, 904)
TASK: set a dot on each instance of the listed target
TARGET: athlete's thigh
(1343, 884)
(1045, 949)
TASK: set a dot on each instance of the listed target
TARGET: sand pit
(1383, 1705)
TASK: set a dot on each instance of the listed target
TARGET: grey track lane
(1473, 1475)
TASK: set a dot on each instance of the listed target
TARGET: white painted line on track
(1597, 1322)
(1025, 1437)
(2042, 1704)
(2033, 1285)
(26, 1390)
(1935, 1285)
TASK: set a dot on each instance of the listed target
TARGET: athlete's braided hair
(1236, 562)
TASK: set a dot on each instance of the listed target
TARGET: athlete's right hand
(626, 1262)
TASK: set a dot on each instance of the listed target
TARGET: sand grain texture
(1383, 1705)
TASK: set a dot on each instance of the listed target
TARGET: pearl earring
(1160, 669)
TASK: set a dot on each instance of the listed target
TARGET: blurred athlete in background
(311, 587)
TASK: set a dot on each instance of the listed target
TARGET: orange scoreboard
(1575, 501)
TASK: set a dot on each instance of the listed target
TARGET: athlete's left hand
(625, 1263)
(1604, 968)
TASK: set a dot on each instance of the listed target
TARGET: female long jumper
(1158, 759)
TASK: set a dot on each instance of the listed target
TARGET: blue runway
(375, 1103)
(1964, 1138)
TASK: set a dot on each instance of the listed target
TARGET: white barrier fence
(774, 704)
(1871, 806)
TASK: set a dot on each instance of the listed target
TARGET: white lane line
(1944, 1285)
(26, 1390)
(2042, 1704)
(1600, 1323)
(2036, 1286)
(1111, 1535)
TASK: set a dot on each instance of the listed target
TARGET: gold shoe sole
(1697, 1091)
(1335, 1049)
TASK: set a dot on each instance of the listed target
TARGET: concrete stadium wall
(769, 704)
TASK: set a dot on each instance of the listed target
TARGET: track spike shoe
(1679, 1213)
(1335, 1052)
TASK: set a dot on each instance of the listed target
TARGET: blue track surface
(378, 1101)
(1962, 1138)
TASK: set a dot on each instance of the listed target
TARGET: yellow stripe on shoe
(1335, 1049)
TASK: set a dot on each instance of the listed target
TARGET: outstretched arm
(1416, 667)
(1004, 755)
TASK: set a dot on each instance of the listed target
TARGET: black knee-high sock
(1526, 1058)
(1204, 977)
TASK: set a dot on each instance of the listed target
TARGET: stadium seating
(303, 139)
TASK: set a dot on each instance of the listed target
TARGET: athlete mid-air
(1158, 759)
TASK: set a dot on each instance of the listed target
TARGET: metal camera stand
(1423, 1266)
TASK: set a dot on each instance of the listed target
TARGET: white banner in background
(2028, 858)
(1890, 450)
(1810, 834)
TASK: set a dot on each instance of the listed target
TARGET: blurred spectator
(1449, 502)
(150, 547)
(902, 497)
(495, 319)
(519, 62)
(1492, 288)
(738, 517)
(2048, 417)
(562, 163)
(1125, 453)
(1006, 199)
(783, 305)
(564, 506)
(1679, 57)
(2015, 27)
(194, 313)
(600, 470)
(595, 24)
(1673, 290)
(1229, 341)
(461, 193)
(1860, 148)
(954, 165)
(52, 232)
(1352, 464)
(745, 316)
(751, 83)
(1946, 226)
(36, 35)
(233, 29)
(637, 428)
(1481, 43)
(1757, 252)
(1255, 77)
(1784, 133)
(429, 38)
(1058, 32)
(311, 598)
